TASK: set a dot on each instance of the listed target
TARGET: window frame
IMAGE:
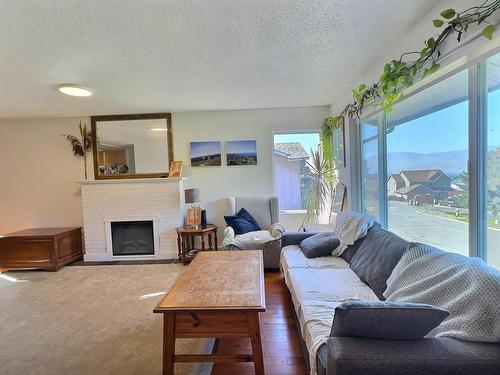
(284, 132)
(477, 147)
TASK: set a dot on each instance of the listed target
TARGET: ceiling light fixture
(74, 90)
(158, 129)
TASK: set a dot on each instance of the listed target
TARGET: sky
(204, 148)
(307, 140)
(233, 147)
(440, 131)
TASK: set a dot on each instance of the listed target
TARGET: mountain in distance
(451, 162)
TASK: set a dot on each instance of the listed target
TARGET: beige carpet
(88, 320)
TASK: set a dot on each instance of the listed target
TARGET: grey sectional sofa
(318, 285)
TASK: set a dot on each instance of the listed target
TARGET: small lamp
(192, 196)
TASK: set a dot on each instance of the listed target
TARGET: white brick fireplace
(159, 200)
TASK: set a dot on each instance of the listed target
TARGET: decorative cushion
(386, 320)
(242, 222)
(376, 258)
(246, 215)
(319, 245)
(351, 250)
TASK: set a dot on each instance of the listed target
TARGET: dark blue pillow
(242, 222)
(319, 245)
(385, 320)
(246, 215)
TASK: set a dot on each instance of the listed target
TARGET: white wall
(38, 185)
(217, 183)
(38, 182)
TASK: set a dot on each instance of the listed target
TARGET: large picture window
(292, 176)
(427, 151)
(439, 154)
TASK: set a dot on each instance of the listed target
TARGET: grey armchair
(265, 210)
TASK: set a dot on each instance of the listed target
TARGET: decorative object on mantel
(193, 219)
(175, 169)
(401, 73)
(81, 146)
(241, 152)
(205, 154)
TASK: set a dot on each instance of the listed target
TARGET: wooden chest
(44, 248)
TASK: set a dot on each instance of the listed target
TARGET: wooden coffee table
(219, 295)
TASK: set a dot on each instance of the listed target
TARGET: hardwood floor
(280, 340)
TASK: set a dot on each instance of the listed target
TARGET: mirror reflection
(130, 147)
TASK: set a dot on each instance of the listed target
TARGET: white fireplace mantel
(104, 201)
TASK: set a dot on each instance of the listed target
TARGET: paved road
(414, 224)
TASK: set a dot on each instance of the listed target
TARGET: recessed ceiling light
(158, 129)
(74, 90)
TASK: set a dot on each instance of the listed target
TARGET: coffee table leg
(254, 328)
(168, 343)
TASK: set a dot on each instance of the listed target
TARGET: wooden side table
(45, 248)
(187, 234)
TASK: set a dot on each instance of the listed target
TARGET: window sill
(293, 212)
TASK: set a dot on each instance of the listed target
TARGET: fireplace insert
(132, 237)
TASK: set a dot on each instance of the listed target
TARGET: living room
(331, 155)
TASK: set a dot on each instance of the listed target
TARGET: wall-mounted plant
(401, 73)
(81, 145)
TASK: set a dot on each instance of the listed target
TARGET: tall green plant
(321, 192)
(81, 145)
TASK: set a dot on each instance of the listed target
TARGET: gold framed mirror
(132, 145)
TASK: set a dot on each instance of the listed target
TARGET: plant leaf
(488, 31)
(448, 13)
(438, 23)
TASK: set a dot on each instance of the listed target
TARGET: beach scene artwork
(241, 152)
(205, 154)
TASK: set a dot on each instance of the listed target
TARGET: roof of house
(397, 177)
(292, 150)
(415, 189)
(422, 175)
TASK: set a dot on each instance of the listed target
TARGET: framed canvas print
(205, 154)
(175, 169)
(338, 144)
(241, 152)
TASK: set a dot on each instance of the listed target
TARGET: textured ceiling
(158, 55)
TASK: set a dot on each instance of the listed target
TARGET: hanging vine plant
(401, 73)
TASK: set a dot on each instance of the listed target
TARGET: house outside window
(292, 179)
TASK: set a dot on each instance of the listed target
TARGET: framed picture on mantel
(175, 169)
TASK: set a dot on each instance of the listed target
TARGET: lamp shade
(192, 195)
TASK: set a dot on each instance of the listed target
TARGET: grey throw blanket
(466, 287)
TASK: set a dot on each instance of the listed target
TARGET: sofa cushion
(316, 293)
(293, 257)
(351, 250)
(354, 355)
(376, 258)
(242, 222)
(319, 245)
(386, 320)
